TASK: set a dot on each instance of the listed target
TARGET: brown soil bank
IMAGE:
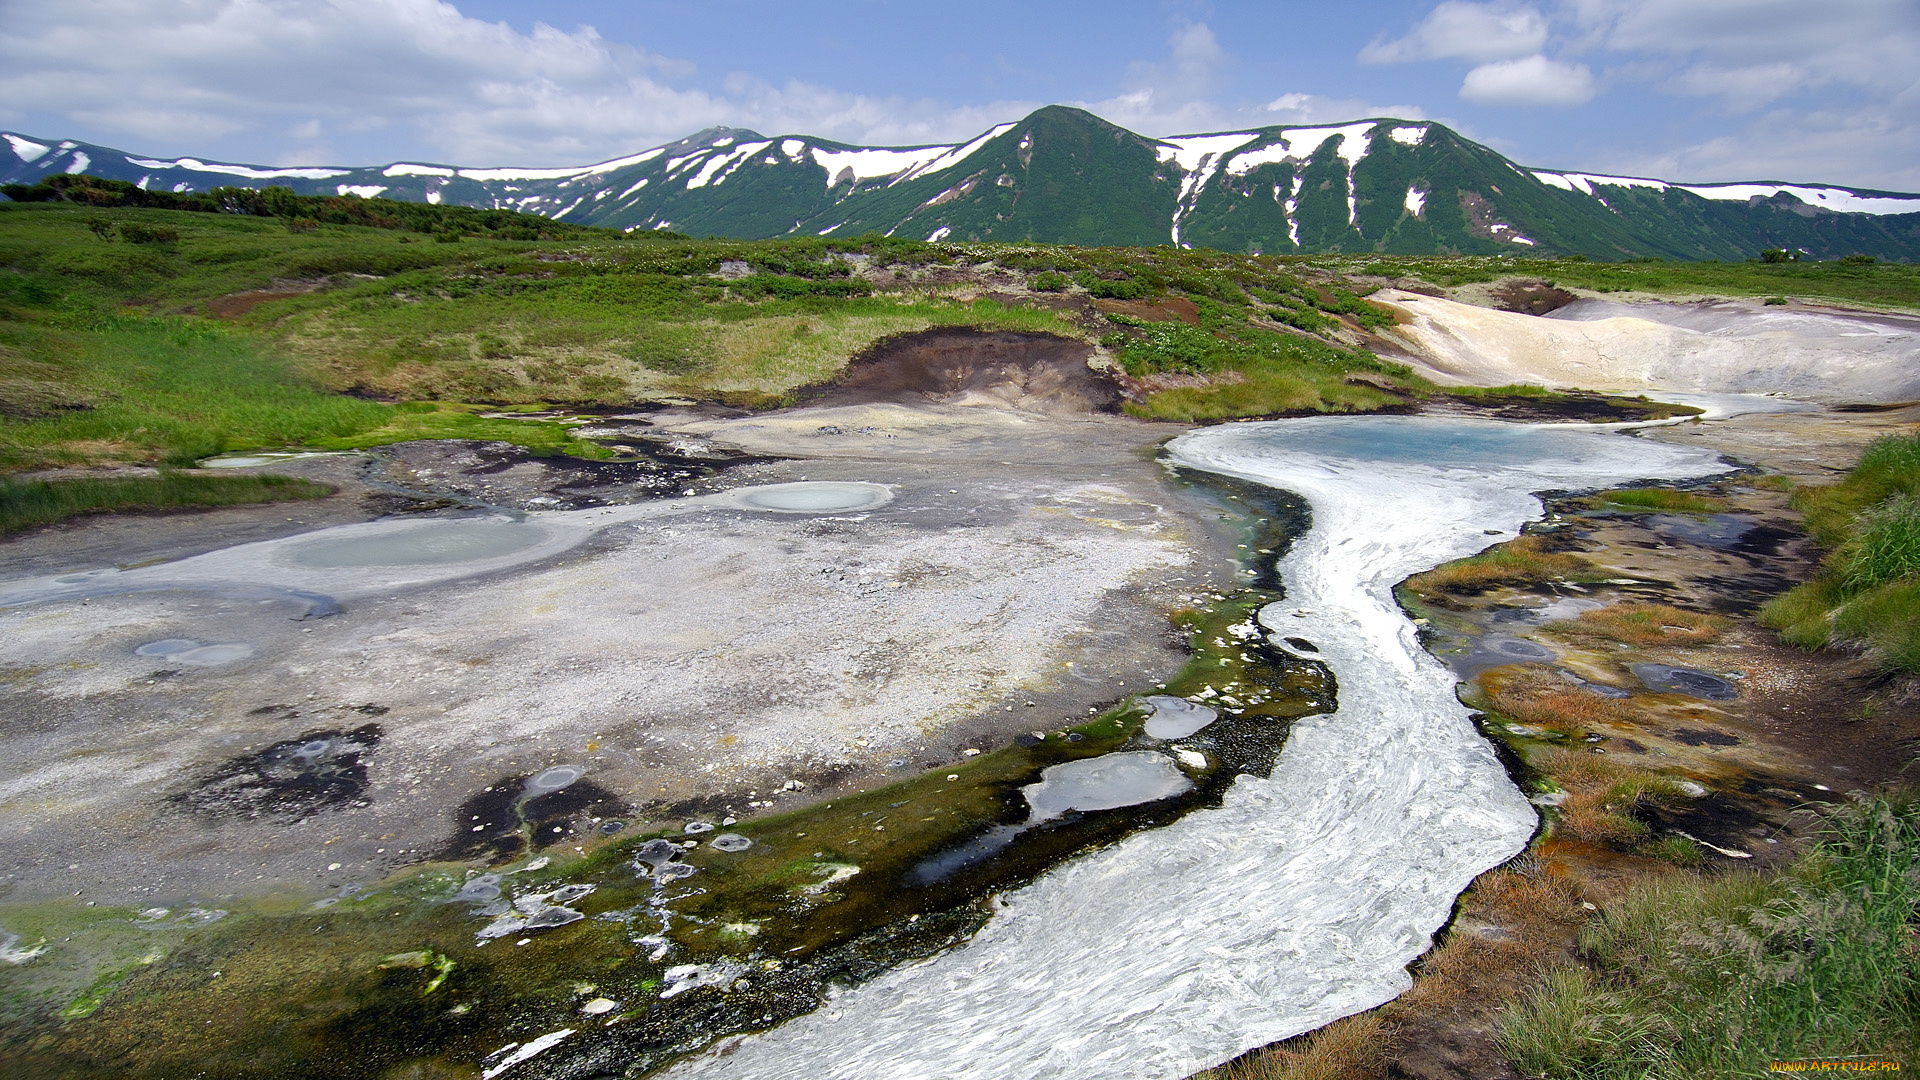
(958, 366)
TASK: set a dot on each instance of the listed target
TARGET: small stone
(333, 866)
(597, 1006)
(953, 776)
(969, 751)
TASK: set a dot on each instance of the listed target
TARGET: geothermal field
(952, 723)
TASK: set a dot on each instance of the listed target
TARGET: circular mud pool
(812, 497)
(1662, 678)
(440, 543)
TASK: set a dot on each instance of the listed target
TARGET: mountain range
(1062, 175)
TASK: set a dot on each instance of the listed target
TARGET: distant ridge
(1062, 175)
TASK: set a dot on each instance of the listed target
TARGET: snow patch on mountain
(960, 153)
(878, 163)
(1409, 136)
(1199, 157)
(404, 169)
(365, 191)
(722, 161)
(27, 149)
(1839, 199)
(495, 175)
(1416, 201)
(245, 171)
(1584, 183)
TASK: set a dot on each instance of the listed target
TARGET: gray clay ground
(715, 660)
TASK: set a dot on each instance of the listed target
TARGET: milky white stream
(1303, 897)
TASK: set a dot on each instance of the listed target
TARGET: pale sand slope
(1718, 346)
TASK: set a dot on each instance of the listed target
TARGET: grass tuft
(1664, 500)
(1717, 977)
(1868, 589)
(1526, 560)
(1646, 624)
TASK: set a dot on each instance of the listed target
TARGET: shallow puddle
(439, 543)
(1177, 718)
(1107, 782)
(812, 497)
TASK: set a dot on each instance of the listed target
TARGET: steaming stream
(1304, 896)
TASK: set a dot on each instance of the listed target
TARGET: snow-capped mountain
(1065, 176)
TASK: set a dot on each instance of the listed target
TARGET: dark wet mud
(1039, 372)
(291, 779)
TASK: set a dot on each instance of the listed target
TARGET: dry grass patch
(1603, 797)
(1527, 560)
(1352, 1048)
(1545, 701)
(1646, 624)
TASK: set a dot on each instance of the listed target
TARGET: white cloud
(1749, 53)
(1173, 97)
(179, 74)
(1314, 109)
(1863, 148)
(1477, 33)
(1531, 80)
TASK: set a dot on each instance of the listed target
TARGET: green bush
(1048, 281)
(134, 232)
(1117, 287)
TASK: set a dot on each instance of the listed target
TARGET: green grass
(1664, 500)
(1716, 977)
(1524, 560)
(25, 504)
(114, 351)
(1868, 588)
(170, 390)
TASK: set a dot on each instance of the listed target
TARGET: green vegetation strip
(1868, 588)
(24, 504)
(1663, 500)
(1721, 976)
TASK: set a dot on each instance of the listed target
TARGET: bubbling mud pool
(1303, 897)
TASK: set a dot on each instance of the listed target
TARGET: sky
(1692, 90)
